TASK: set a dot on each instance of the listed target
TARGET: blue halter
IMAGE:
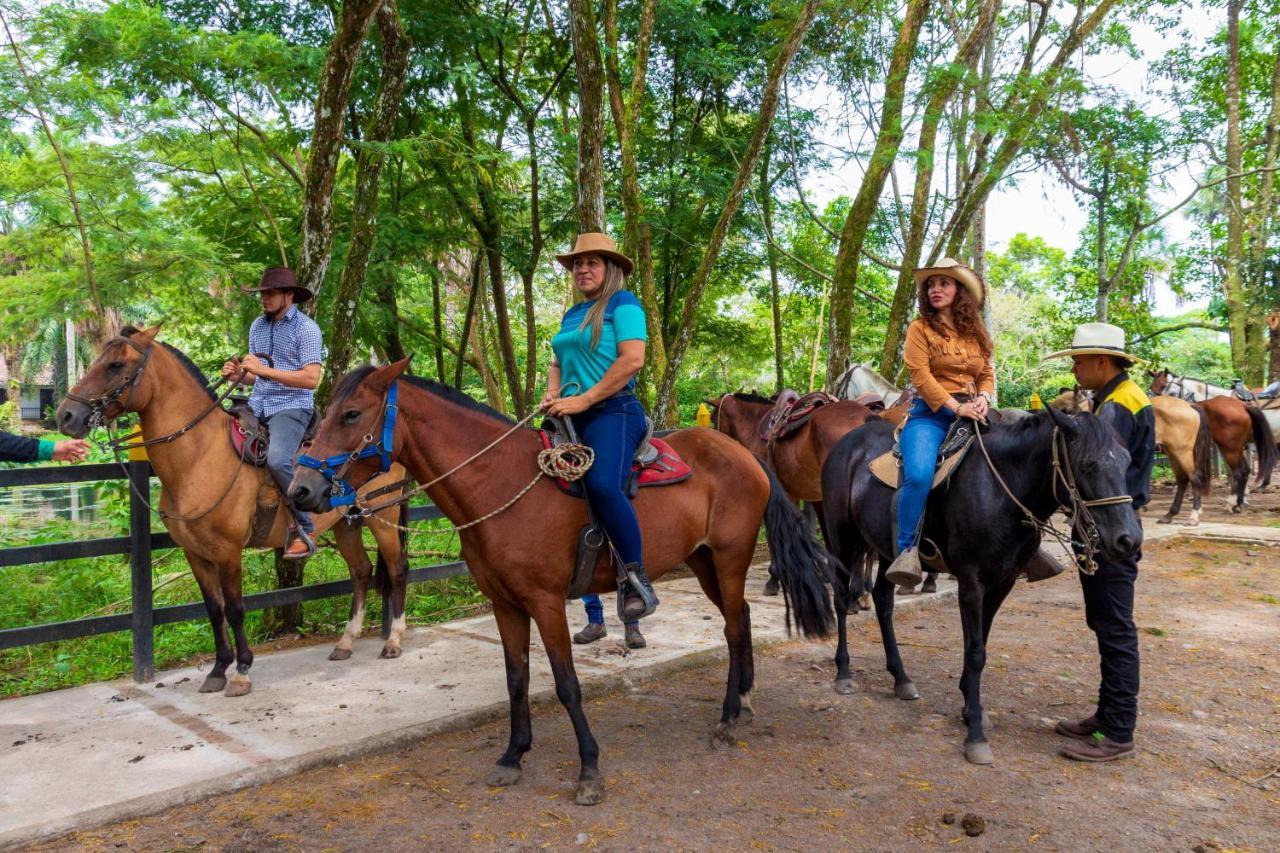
(342, 493)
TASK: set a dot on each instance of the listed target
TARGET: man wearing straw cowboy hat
(283, 386)
(1100, 364)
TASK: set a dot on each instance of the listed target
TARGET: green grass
(73, 589)
(1156, 632)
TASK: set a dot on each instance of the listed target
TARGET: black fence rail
(141, 542)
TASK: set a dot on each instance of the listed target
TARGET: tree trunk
(666, 398)
(586, 56)
(278, 621)
(1233, 284)
(1263, 212)
(766, 214)
(364, 213)
(904, 292)
(326, 140)
(857, 222)
(1100, 248)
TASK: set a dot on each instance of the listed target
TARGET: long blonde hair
(614, 280)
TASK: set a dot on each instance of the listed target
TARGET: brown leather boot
(1041, 566)
(635, 640)
(594, 631)
(1082, 729)
(905, 570)
(1097, 749)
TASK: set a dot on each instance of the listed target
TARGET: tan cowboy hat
(280, 278)
(595, 243)
(1097, 339)
(960, 272)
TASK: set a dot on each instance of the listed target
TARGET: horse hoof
(590, 792)
(390, 652)
(722, 737)
(1167, 519)
(906, 691)
(929, 586)
(771, 587)
(865, 602)
(501, 776)
(844, 686)
(979, 752)
(214, 684)
(1235, 510)
(906, 590)
(340, 654)
(240, 685)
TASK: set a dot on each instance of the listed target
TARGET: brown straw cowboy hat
(595, 243)
(280, 278)
(952, 268)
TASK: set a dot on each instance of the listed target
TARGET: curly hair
(964, 314)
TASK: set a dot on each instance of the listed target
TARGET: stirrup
(306, 539)
(905, 570)
(636, 584)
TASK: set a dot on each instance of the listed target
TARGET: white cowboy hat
(952, 268)
(1096, 339)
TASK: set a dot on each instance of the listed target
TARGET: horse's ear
(1062, 421)
(149, 335)
(382, 378)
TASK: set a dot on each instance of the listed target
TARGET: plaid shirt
(293, 341)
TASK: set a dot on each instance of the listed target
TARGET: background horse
(797, 458)
(522, 556)
(1232, 425)
(214, 505)
(982, 533)
(1182, 430)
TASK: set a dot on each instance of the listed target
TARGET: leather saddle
(887, 467)
(790, 413)
(250, 436)
(655, 463)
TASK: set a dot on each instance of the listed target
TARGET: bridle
(1086, 541)
(334, 468)
(98, 405)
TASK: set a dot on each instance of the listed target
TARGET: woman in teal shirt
(598, 352)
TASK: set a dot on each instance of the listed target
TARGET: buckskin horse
(1037, 465)
(1232, 425)
(213, 504)
(471, 459)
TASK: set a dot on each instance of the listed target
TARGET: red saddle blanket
(255, 453)
(663, 470)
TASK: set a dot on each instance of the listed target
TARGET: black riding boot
(636, 596)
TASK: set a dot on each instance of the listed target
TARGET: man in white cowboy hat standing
(1100, 364)
(283, 390)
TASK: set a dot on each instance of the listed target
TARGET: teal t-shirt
(623, 321)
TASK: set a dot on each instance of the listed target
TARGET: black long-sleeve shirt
(19, 448)
(1125, 406)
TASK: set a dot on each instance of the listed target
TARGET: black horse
(983, 534)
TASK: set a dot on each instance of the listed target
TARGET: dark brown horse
(1232, 425)
(522, 557)
(214, 505)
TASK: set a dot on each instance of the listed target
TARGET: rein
(1077, 509)
(568, 462)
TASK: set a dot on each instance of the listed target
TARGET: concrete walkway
(77, 758)
(81, 757)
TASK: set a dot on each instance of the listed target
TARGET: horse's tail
(1202, 453)
(1265, 441)
(801, 563)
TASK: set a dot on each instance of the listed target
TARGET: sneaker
(594, 631)
(635, 640)
(905, 570)
(1080, 729)
(1097, 749)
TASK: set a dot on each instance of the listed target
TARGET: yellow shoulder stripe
(1130, 396)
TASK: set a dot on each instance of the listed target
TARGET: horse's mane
(196, 373)
(348, 384)
(752, 397)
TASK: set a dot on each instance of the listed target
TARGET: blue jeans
(595, 609)
(921, 437)
(613, 429)
(286, 430)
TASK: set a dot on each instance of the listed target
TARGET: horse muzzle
(1125, 542)
(309, 490)
(74, 419)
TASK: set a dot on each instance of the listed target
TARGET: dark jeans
(613, 429)
(1108, 609)
(287, 427)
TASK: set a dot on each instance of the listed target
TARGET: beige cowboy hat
(280, 278)
(1096, 339)
(595, 243)
(960, 272)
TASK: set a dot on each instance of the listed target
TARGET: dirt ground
(866, 771)
(1262, 508)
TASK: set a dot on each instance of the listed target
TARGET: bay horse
(1048, 460)
(210, 499)
(1232, 425)
(1182, 430)
(796, 459)
(522, 556)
